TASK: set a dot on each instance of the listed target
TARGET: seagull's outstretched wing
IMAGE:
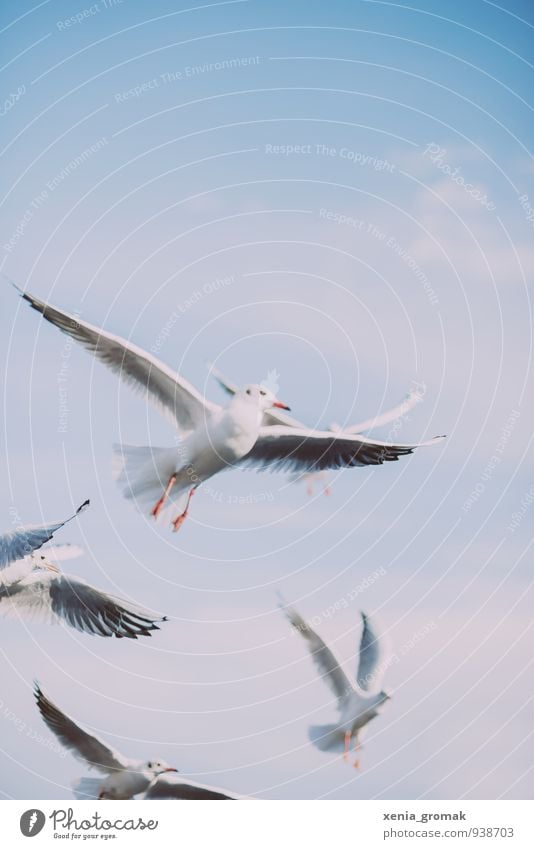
(79, 742)
(290, 449)
(169, 785)
(17, 545)
(51, 597)
(369, 674)
(173, 395)
(324, 658)
(407, 404)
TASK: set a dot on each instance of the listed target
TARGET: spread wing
(300, 450)
(169, 785)
(369, 675)
(79, 742)
(17, 545)
(173, 395)
(407, 404)
(51, 597)
(323, 657)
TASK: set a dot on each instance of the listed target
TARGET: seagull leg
(346, 753)
(159, 504)
(357, 748)
(178, 522)
(309, 489)
(327, 490)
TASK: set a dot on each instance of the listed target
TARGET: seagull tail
(142, 473)
(327, 738)
(87, 788)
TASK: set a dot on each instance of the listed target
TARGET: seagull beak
(280, 405)
(170, 769)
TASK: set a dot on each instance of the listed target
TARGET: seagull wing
(17, 545)
(226, 385)
(291, 449)
(407, 404)
(169, 785)
(325, 660)
(173, 395)
(51, 597)
(79, 742)
(369, 673)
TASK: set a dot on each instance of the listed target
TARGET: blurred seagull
(125, 777)
(18, 547)
(162, 480)
(33, 587)
(358, 700)
(274, 417)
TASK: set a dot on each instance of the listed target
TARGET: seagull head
(158, 767)
(261, 397)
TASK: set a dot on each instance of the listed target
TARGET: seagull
(162, 481)
(124, 777)
(32, 586)
(274, 417)
(358, 700)
(169, 786)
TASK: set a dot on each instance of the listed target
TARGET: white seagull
(358, 699)
(274, 417)
(33, 587)
(124, 777)
(161, 481)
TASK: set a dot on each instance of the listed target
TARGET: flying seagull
(124, 777)
(358, 699)
(274, 417)
(161, 481)
(33, 587)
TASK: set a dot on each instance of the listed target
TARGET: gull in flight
(124, 777)
(161, 481)
(358, 700)
(274, 417)
(33, 587)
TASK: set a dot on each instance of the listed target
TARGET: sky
(338, 197)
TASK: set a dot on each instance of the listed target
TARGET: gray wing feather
(169, 391)
(171, 786)
(325, 660)
(80, 743)
(51, 597)
(369, 657)
(287, 449)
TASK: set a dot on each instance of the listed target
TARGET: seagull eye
(248, 392)
(262, 392)
(149, 765)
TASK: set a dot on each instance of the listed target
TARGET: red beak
(281, 406)
(171, 769)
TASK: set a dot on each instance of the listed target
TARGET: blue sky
(342, 194)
